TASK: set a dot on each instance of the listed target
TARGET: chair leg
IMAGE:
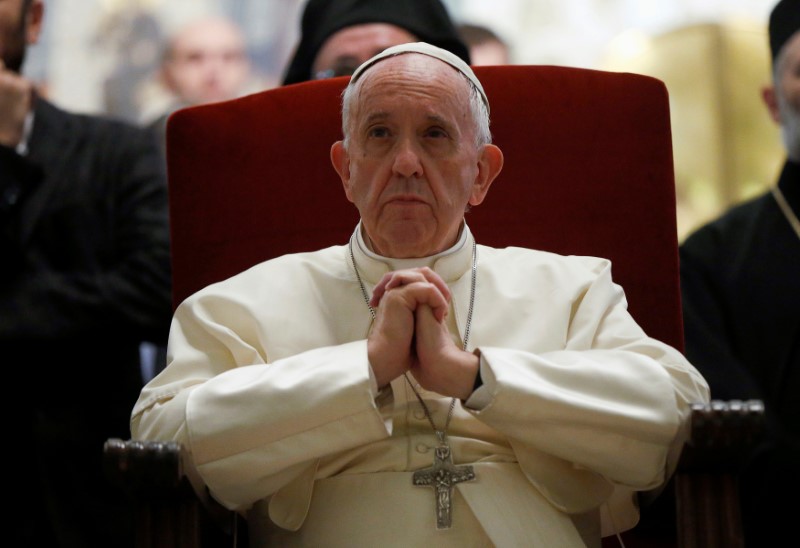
(708, 513)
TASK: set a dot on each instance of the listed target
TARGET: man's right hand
(390, 344)
(16, 97)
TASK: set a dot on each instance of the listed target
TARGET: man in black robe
(740, 277)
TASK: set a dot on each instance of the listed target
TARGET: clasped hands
(410, 334)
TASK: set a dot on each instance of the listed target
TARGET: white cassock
(269, 388)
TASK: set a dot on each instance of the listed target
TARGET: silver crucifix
(442, 476)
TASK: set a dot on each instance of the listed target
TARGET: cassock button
(419, 413)
(422, 448)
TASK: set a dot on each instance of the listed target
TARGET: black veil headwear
(428, 20)
(784, 21)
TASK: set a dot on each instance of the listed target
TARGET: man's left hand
(440, 365)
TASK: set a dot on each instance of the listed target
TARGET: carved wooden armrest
(169, 513)
(144, 468)
(723, 434)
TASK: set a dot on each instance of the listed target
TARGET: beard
(14, 59)
(16, 44)
(790, 126)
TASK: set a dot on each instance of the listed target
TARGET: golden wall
(725, 145)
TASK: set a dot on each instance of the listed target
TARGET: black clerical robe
(740, 277)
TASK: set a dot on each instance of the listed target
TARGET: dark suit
(740, 278)
(85, 278)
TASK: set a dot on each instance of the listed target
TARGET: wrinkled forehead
(411, 70)
(412, 83)
(421, 49)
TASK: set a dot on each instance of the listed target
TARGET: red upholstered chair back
(588, 170)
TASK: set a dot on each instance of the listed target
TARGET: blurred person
(85, 278)
(369, 403)
(485, 46)
(204, 61)
(129, 35)
(338, 35)
(740, 278)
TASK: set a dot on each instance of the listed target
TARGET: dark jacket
(85, 278)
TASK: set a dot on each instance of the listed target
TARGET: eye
(344, 69)
(194, 58)
(233, 56)
(378, 132)
(344, 66)
(436, 133)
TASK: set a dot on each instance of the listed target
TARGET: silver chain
(786, 209)
(440, 434)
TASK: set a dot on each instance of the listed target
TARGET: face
(787, 95)
(18, 28)
(488, 53)
(207, 63)
(412, 164)
(345, 50)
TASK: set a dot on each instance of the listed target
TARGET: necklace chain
(786, 209)
(440, 434)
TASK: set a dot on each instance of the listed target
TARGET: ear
(490, 163)
(768, 95)
(341, 163)
(33, 24)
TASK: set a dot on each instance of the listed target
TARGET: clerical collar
(397, 264)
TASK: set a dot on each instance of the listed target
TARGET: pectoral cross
(442, 476)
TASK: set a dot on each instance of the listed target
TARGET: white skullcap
(426, 49)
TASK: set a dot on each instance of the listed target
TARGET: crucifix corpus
(442, 476)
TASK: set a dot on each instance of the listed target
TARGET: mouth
(406, 199)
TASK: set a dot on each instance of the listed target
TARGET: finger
(430, 338)
(435, 279)
(426, 274)
(399, 278)
(379, 290)
(391, 280)
(409, 297)
(417, 294)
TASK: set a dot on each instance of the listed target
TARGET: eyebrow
(377, 116)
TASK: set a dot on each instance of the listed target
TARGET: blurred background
(102, 56)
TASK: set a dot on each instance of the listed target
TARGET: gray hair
(477, 107)
(789, 115)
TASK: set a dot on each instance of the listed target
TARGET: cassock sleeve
(268, 422)
(612, 402)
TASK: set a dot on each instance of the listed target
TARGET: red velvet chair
(588, 170)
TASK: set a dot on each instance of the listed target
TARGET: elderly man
(411, 387)
(740, 278)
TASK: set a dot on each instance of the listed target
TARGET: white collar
(450, 264)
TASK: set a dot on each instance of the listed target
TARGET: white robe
(269, 388)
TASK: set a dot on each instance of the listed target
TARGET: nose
(407, 162)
